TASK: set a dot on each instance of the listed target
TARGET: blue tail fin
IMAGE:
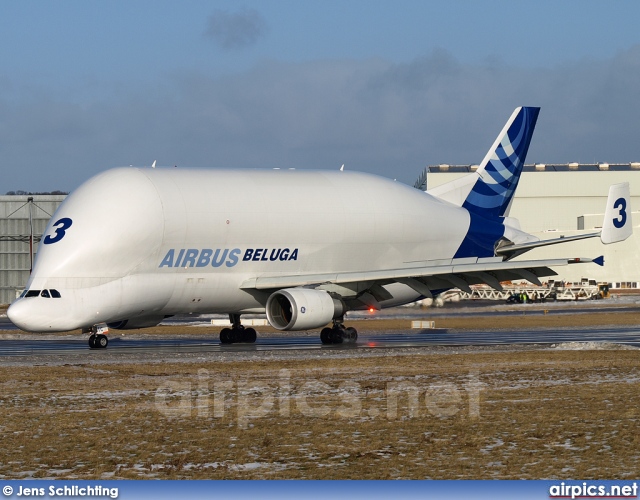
(499, 172)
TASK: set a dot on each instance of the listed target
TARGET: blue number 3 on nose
(61, 226)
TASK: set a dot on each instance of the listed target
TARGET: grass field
(523, 414)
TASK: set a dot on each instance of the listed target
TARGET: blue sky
(384, 87)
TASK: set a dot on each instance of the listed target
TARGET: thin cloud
(236, 30)
(373, 115)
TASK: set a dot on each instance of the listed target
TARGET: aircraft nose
(18, 314)
(41, 314)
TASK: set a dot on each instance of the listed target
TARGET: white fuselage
(155, 242)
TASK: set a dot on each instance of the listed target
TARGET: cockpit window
(47, 294)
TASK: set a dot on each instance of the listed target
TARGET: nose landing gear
(98, 338)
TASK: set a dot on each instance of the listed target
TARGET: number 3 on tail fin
(621, 205)
(617, 224)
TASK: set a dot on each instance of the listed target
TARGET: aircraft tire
(249, 335)
(351, 335)
(101, 341)
(237, 335)
(92, 341)
(337, 335)
(325, 335)
(226, 336)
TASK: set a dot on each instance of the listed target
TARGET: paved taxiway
(374, 340)
(16, 343)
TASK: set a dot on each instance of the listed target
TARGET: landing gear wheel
(325, 335)
(98, 341)
(250, 336)
(351, 335)
(238, 335)
(226, 336)
(337, 335)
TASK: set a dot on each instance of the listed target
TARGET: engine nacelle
(302, 309)
(135, 323)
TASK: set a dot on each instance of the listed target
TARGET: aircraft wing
(436, 275)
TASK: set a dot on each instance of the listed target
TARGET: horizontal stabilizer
(511, 251)
(617, 226)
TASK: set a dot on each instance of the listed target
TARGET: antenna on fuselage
(153, 165)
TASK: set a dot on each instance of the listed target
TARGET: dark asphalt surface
(372, 340)
(200, 341)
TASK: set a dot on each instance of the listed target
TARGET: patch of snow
(496, 443)
(590, 346)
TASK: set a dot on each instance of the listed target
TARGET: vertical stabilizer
(617, 225)
(500, 170)
(488, 191)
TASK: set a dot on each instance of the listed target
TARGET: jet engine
(302, 309)
(135, 323)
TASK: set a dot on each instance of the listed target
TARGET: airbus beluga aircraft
(131, 247)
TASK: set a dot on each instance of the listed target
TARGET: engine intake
(302, 309)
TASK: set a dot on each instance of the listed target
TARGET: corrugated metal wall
(14, 238)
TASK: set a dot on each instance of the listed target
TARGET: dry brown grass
(541, 414)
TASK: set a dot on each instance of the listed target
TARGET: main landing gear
(98, 339)
(338, 333)
(237, 334)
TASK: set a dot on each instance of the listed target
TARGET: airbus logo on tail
(193, 257)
